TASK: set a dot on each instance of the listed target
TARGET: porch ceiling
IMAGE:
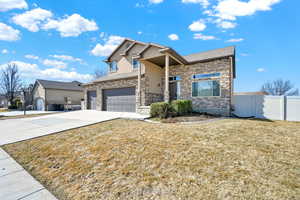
(160, 61)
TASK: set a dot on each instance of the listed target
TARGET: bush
(176, 108)
(182, 107)
(160, 109)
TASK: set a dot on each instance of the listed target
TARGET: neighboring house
(55, 95)
(3, 101)
(143, 73)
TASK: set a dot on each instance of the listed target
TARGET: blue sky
(67, 40)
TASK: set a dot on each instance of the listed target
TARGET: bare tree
(99, 73)
(10, 82)
(280, 87)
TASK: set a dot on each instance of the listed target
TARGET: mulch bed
(193, 117)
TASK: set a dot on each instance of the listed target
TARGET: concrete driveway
(14, 130)
(15, 182)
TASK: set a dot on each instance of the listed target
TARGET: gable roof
(74, 85)
(211, 54)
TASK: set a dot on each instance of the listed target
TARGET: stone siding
(124, 83)
(215, 105)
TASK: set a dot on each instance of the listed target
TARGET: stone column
(167, 72)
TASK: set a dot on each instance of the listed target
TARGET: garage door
(91, 96)
(40, 104)
(119, 100)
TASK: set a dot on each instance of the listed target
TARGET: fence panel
(266, 107)
(293, 108)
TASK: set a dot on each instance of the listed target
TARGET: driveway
(15, 130)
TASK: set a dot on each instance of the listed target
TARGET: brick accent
(216, 105)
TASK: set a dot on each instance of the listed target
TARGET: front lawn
(122, 159)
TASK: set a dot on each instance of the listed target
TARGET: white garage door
(40, 105)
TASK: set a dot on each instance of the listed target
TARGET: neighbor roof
(74, 85)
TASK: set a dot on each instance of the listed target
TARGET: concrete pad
(29, 112)
(17, 185)
(9, 166)
(40, 195)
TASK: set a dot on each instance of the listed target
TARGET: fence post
(283, 108)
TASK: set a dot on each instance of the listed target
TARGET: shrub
(182, 107)
(160, 109)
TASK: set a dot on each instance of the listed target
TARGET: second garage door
(119, 100)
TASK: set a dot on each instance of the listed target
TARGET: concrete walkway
(29, 112)
(14, 130)
(15, 182)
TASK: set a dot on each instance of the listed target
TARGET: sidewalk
(17, 184)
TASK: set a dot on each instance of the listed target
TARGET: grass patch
(121, 159)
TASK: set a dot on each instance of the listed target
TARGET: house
(3, 101)
(143, 73)
(55, 95)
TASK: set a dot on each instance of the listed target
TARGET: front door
(174, 90)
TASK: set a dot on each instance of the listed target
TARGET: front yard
(122, 159)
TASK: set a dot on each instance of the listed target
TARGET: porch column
(139, 86)
(167, 65)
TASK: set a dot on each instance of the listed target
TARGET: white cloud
(6, 5)
(173, 37)
(261, 70)
(4, 51)
(67, 58)
(197, 26)
(55, 63)
(33, 57)
(7, 33)
(156, 1)
(71, 26)
(139, 32)
(226, 24)
(32, 72)
(235, 40)
(199, 36)
(107, 48)
(32, 19)
(230, 9)
(203, 3)
(244, 54)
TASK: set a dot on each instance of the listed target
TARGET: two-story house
(143, 73)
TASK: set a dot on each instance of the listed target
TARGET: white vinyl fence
(267, 107)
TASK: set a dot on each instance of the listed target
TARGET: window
(175, 78)
(206, 89)
(113, 66)
(135, 63)
(205, 76)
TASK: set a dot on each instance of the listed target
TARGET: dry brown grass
(121, 159)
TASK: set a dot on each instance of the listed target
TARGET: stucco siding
(38, 92)
(58, 96)
(152, 52)
(154, 74)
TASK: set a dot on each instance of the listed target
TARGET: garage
(119, 100)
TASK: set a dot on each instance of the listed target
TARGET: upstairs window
(135, 63)
(113, 66)
(206, 76)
